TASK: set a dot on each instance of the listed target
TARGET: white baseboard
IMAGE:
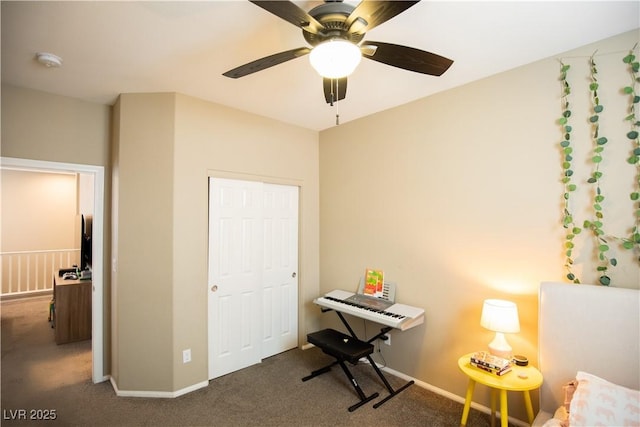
(102, 379)
(157, 394)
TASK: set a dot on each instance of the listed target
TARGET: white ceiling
(110, 48)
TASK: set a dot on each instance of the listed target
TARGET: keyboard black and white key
(399, 316)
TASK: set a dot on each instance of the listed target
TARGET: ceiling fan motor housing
(333, 16)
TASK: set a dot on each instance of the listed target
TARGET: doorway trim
(97, 300)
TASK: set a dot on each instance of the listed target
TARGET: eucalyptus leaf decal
(633, 241)
(597, 226)
(571, 229)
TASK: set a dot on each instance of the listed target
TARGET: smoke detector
(49, 59)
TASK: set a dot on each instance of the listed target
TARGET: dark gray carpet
(37, 375)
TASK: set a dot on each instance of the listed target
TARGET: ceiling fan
(336, 23)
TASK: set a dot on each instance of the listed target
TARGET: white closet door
(253, 273)
(235, 275)
(280, 273)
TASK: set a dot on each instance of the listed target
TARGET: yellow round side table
(521, 378)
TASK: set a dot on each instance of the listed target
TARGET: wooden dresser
(72, 309)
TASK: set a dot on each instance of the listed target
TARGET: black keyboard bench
(340, 346)
(348, 348)
(344, 348)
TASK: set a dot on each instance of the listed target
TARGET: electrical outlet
(186, 355)
(388, 340)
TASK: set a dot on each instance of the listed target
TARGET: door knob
(293, 274)
(214, 288)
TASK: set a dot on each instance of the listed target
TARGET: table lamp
(501, 317)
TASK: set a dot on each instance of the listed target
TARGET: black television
(86, 228)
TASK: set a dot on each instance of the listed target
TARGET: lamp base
(500, 347)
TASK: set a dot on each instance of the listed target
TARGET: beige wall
(39, 211)
(42, 126)
(457, 197)
(143, 242)
(166, 147)
(212, 140)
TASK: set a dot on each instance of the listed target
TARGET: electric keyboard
(397, 316)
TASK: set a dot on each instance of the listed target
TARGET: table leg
(504, 411)
(494, 396)
(467, 402)
(527, 404)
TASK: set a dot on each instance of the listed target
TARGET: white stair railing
(29, 272)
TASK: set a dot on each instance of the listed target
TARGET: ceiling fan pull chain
(337, 100)
(333, 95)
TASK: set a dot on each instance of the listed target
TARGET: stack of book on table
(490, 363)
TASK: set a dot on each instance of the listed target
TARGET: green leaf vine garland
(567, 173)
(597, 225)
(634, 66)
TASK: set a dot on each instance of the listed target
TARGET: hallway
(32, 363)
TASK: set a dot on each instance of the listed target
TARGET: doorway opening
(97, 300)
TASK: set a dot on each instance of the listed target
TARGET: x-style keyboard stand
(348, 348)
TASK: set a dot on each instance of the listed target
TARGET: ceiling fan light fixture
(335, 59)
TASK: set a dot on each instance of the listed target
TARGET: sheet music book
(373, 282)
(388, 290)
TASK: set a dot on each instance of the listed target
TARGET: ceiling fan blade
(406, 58)
(266, 62)
(370, 13)
(291, 13)
(334, 89)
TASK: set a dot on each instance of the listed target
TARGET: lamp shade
(335, 58)
(500, 316)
